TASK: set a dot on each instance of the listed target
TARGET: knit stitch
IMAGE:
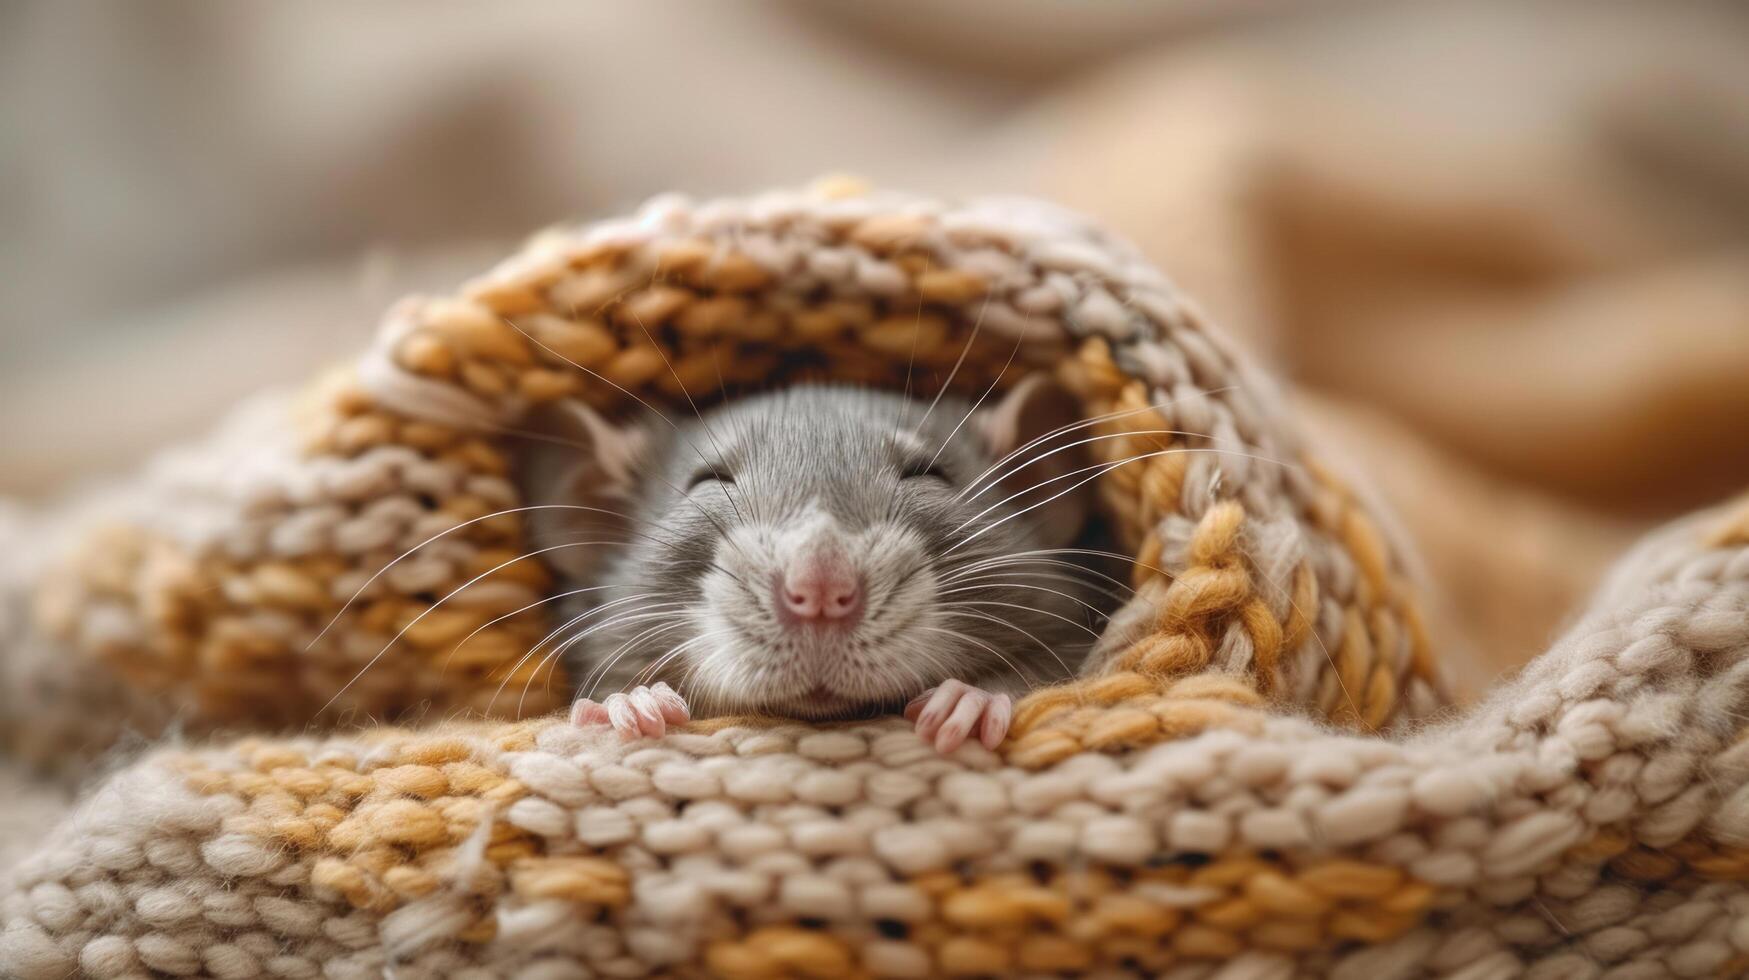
(1234, 788)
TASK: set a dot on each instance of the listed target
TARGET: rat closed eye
(819, 552)
(709, 474)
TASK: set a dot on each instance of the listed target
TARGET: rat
(821, 552)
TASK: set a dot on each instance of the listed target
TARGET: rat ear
(1029, 411)
(574, 458)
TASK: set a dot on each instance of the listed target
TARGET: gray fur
(695, 573)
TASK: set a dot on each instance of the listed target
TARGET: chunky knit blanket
(1258, 775)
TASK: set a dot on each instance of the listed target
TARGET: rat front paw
(644, 713)
(949, 714)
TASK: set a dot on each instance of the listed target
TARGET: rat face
(824, 551)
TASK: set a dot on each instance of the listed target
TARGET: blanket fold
(1259, 771)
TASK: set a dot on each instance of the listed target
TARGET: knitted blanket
(1248, 780)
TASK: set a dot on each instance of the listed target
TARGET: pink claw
(646, 712)
(949, 714)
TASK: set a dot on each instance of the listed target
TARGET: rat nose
(823, 588)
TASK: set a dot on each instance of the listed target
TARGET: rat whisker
(667, 362)
(597, 610)
(1100, 468)
(977, 325)
(452, 594)
(1117, 556)
(963, 604)
(938, 593)
(957, 634)
(1055, 569)
(633, 396)
(549, 657)
(1113, 435)
(655, 666)
(983, 580)
(512, 324)
(1019, 342)
(575, 621)
(1033, 588)
(494, 621)
(649, 673)
(959, 610)
(965, 350)
(734, 430)
(720, 567)
(1038, 556)
(667, 608)
(904, 404)
(442, 534)
(1076, 426)
(555, 653)
(628, 646)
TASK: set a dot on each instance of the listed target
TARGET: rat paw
(949, 714)
(644, 713)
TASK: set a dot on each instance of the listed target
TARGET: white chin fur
(753, 662)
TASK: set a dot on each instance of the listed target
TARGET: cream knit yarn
(1230, 791)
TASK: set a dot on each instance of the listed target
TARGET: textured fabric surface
(1591, 819)
(257, 581)
(1250, 778)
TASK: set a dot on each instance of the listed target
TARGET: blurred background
(1500, 248)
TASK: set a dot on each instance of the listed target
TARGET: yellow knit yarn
(1230, 785)
(221, 634)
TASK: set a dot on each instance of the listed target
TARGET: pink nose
(821, 589)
